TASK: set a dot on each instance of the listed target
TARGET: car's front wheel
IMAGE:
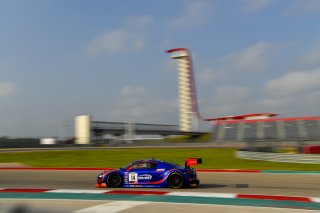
(114, 180)
(175, 180)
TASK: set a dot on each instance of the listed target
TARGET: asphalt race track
(210, 182)
(257, 183)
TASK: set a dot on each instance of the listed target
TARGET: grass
(213, 158)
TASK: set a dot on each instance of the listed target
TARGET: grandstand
(267, 129)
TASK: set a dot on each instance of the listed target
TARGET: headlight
(100, 175)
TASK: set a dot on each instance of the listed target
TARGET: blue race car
(151, 173)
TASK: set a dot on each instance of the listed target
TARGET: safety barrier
(280, 157)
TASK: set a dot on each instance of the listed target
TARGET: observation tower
(188, 102)
(188, 106)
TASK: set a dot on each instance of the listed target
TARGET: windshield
(127, 166)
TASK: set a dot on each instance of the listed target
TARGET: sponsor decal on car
(133, 177)
(126, 177)
(160, 170)
(145, 177)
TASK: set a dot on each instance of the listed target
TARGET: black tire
(114, 180)
(175, 180)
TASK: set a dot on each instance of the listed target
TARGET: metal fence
(280, 157)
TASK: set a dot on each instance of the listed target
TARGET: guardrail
(280, 157)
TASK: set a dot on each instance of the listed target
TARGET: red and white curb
(165, 193)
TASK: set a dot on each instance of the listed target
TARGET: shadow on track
(213, 186)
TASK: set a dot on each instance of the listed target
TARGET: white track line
(97, 191)
(203, 194)
(315, 199)
(112, 207)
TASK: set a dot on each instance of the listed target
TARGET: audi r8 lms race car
(151, 173)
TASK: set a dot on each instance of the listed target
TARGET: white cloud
(256, 5)
(116, 41)
(255, 59)
(313, 57)
(297, 92)
(127, 38)
(294, 94)
(152, 111)
(275, 103)
(139, 21)
(7, 88)
(231, 94)
(138, 104)
(294, 83)
(304, 7)
(252, 59)
(138, 44)
(312, 100)
(220, 110)
(130, 90)
(300, 104)
(206, 76)
(170, 66)
(195, 14)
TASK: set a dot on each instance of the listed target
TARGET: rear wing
(193, 162)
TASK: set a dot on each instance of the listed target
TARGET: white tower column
(185, 85)
(184, 95)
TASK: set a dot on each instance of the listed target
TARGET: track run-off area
(220, 190)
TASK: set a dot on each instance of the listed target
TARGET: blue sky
(59, 59)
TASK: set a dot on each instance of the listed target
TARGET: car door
(143, 173)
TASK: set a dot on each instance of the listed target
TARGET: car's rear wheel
(114, 180)
(175, 180)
